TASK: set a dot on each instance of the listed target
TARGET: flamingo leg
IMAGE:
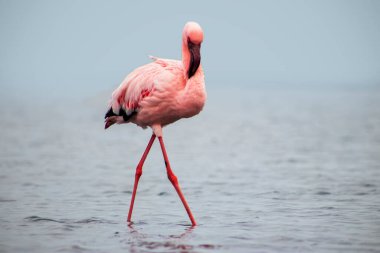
(173, 179)
(138, 174)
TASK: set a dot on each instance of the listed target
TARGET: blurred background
(284, 157)
(81, 47)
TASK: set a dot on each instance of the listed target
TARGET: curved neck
(186, 57)
(191, 57)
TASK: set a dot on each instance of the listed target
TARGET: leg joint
(138, 171)
(172, 178)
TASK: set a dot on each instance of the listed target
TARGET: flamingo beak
(195, 57)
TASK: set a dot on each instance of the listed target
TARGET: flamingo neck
(185, 56)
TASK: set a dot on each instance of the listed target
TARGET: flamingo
(160, 93)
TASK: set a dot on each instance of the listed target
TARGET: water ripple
(41, 219)
(35, 218)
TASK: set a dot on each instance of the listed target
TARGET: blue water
(262, 170)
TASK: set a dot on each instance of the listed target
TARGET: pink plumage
(160, 93)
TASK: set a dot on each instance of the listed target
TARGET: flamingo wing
(139, 84)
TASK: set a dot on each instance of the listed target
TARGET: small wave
(39, 219)
(74, 248)
(328, 207)
(323, 193)
(132, 223)
(35, 218)
(361, 193)
(70, 227)
(94, 220)
(7, 200)
(368, 185)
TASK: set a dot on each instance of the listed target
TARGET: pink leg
(138, 175)
(173, 179)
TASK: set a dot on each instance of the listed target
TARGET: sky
(85, 47)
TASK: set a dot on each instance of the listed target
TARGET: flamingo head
(193, 37)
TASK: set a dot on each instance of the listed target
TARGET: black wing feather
(122, 112)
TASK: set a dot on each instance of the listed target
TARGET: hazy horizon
(69, 47)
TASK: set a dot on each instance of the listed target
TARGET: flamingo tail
(112, 118)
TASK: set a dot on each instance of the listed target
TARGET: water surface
(262, 170)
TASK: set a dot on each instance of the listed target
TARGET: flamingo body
(160, 93)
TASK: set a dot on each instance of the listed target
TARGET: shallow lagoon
(262, 170)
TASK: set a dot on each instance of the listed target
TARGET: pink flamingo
(160, 93)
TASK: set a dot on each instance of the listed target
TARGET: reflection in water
(173, 242)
